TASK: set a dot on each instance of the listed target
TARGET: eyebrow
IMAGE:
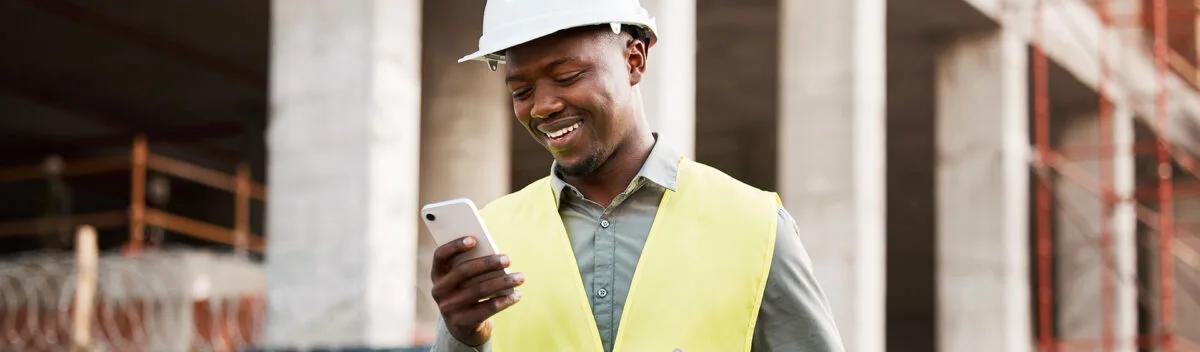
(550, 66)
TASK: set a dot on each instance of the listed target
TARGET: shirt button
(604, 223)
(602, 293)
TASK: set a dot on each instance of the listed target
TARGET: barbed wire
(175, 300)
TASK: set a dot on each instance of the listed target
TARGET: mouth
(559, 134)
(562, 133)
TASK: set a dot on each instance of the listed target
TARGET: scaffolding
(138, 215)
(1154, 206)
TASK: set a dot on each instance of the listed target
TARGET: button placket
(603, 276)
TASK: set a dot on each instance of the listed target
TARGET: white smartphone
(453, 219)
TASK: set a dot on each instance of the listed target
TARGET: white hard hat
(508, 23)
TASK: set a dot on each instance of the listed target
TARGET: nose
(545, 105)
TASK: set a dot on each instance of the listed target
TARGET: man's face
(573, 92)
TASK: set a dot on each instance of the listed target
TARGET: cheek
(595, 106)
(595, 95)
(600, 105)
(521, 111)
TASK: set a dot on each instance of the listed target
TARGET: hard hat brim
(483, 56)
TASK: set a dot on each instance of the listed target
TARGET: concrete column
(669, 87)
(982, 188)
(1124, 227)
(343, 138)
(831, 153)
(1079, 256)
(465, 130)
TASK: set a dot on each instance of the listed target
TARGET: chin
(578, 165)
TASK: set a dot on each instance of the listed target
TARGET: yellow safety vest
(697, 287)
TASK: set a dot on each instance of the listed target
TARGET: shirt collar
(661, 168)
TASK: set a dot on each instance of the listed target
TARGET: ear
(635, 60)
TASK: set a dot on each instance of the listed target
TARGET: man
(626, 246)
(56, 205)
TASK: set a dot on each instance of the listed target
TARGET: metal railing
(138, 215)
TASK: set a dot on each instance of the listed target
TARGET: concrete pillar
(982, 188)
(343, 139)
(1124, 227)
(1079, 256)
(669, 88)
(831, 153)
(465, 130)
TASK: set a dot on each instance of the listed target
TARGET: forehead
(575, 45)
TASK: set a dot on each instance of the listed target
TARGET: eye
(521, 93)
(569, 77)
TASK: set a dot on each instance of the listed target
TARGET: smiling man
(625, 246)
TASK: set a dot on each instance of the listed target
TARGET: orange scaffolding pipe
(137, 195)
(1041, 112)
(1107, 199)
(1166, 226)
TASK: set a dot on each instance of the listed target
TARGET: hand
(464, 303)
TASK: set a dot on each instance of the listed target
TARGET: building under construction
(967, 175)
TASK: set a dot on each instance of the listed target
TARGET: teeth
(563, 131)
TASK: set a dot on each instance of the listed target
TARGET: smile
(562, 132)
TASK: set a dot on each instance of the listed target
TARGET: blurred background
(983, 175)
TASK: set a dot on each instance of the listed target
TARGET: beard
(583, 168)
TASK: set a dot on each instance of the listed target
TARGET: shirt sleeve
(794, 315)
(447, 343)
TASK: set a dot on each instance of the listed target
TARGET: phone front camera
(430, 217)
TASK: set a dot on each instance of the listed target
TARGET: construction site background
(226, 175)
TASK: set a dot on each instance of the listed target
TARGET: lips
(559, 132)
(563, 131)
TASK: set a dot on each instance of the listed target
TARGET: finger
(490, 288)
(486, 309)
(447, 285)
(474, 267)
(443, 255)
(474, 291)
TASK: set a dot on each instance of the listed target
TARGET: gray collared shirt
(794, 315)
